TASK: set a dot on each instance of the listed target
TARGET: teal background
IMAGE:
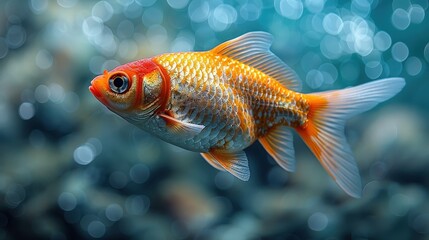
(70, 169)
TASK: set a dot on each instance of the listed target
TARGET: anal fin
(235, 163)
(212, 161)
(279, 144)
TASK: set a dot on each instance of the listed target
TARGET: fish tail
(324, 130)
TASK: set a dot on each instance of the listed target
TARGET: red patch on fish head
(114, 89)
(132, 97)
(138, 68)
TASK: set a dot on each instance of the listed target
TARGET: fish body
(219, 102)
(236, 103)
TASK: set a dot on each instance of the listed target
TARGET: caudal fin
(324, 131)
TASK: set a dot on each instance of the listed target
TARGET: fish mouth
(94, 90)
(97, 93)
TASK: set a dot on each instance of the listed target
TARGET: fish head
(133, 88)
(115, 89)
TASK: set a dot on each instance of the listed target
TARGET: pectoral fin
(181, 128)
(235, 163)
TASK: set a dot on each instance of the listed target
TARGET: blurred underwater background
(71, 169)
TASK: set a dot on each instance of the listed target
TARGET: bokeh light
(222, 17)
(426, 52)
(3, 48)
(382, 41)
(291, 9)
(26, 110)
(400, 51)
(96, 229)
(401, 19)
(332, 23)
(83, 155)
(413, 66)
(67, 201)
(318, 221)
(15, 36)
(178, 4)
(102, 10)
(38, 6)
(114, 212)
(139, 173)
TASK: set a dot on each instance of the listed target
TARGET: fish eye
(118, 84)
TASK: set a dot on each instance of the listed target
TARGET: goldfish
(219, 102)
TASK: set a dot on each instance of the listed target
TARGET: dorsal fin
(253, 49)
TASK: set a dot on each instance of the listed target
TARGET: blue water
(69, 168)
